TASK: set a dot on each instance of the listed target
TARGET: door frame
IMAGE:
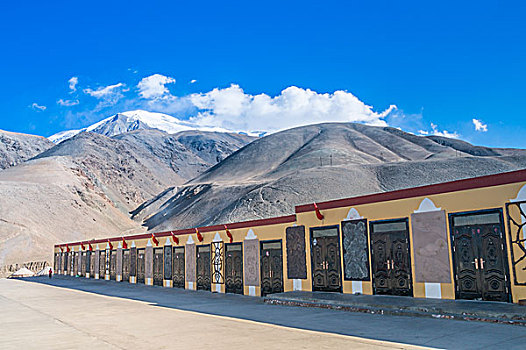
(498, 210)
(162, 266)
(337, 227)
(184, 266)
(280, 241)
(242, 267)
(409, 251)
(197, 266)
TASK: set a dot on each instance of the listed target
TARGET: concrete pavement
(67, 312)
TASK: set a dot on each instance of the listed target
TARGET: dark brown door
(234, 268)
(102, 264)
(271, 267)
(113, 265)
(158, 266)
(75, 263)
(391, 259)
(92, 265)
(325, 258)
(203, 267)
(66, 268)
(141, 261)
(88, 262)
(126, 265)
(83, 264)
(479, 256)
(178, 267)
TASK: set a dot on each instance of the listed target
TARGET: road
(65, 313)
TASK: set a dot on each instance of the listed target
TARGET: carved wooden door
(479, 255)
(83, 264)
(167, 274)
(158, 266)
(126, 265)
(391, 260)
(325, 259)
(75, 263)
(133, 262)
(92, 265)
(203, 268)
(141, 261)
(178, 267)
(234, 268)
(271, 267)
(88, 262)
(113, 265)
(102, 264)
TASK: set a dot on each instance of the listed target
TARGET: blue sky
(442, 64)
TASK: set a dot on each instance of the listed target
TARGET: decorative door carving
(203, 267)
(178, 267)
(133, 262)
(92, 264)
(296, 259)
(271, 267)
(234, 268)
(355, 250)
(126, 265)
(479, 255)
(102, 264)
(167, 262)
(158, 266)
(75, 263)
(325, 258)
(113, 265)
(391, 259)
(83, 264)
(141, 264)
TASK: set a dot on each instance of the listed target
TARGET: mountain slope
(124, 122)
(321, 162)
(86, 186)
(16, 148)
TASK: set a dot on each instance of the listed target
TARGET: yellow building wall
(452, 202)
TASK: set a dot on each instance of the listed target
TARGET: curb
(397, 312)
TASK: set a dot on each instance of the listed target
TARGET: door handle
(388, 264)
(481, 263)
(476, 263)
(392, 264)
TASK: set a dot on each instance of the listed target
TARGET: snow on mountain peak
(132, 120)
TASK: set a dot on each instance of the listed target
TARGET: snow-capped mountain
(124, 122)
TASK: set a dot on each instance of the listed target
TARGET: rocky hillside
(16, 148)
(322, 162)
(86, 186)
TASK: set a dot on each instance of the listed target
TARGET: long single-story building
(456, 240)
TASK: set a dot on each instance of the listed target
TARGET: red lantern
(199, 236)
(319, 215)
(229, 234)
(154, 240)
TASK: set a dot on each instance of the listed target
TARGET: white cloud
(479, 125)
(231, 108)
(193, 81)
(435, 131)
(37, 107)
(109, 95)
(73, 84)
(67, 103)
(154, 86)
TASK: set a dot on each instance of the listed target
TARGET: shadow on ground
(438, 333)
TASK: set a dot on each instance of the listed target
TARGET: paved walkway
(67, 312)
(468, 310)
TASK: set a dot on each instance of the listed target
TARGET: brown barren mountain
(321, 162)
(84, 187)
